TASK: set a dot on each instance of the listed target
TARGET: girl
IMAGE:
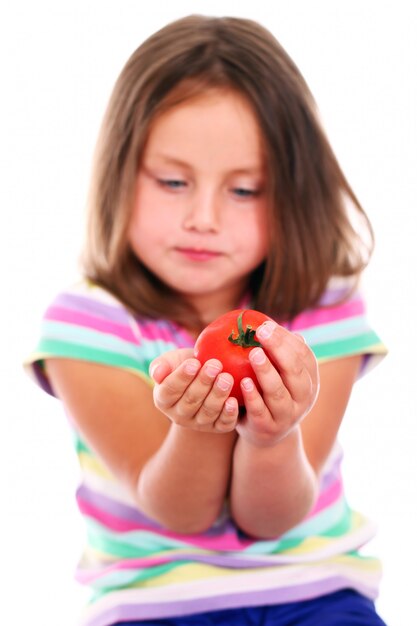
(214, 187)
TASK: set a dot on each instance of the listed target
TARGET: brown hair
(313, 236)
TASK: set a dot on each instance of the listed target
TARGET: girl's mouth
(194, 254)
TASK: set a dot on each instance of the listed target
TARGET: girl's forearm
(183, 486)
(272, 488)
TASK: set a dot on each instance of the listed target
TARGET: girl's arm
(178, 476)
(279, 454)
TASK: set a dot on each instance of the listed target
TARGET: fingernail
(192, 367)
(212, 370)
(265, 330)
(247, 384)
(223, 383)
(257, 356)
(229, 405)
(152, 368)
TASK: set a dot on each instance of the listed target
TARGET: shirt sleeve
(87, 323)
(339, 327)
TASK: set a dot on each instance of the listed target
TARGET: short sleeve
(86, 322)
(339, 327)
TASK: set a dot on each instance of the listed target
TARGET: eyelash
(173, 184)
(246, 193)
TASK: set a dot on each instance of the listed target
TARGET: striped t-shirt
(139, 570)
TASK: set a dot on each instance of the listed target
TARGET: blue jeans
(342, 608)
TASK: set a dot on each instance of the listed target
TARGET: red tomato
(230, 338)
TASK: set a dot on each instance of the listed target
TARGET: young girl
(215, 188)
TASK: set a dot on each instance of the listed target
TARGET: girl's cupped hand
(193, 395)
(289, 380)
(196, 396)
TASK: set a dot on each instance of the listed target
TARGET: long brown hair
(312, 209)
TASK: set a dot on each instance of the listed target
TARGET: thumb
(159, 369)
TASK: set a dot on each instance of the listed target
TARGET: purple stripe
(218, 559)
(336, 295)
(114, 313)
(332, 474)
(183, 607)
(118, 509)
(232, 562)
(41, 378)
(132, 514)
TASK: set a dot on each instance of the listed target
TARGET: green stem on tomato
(245, 337)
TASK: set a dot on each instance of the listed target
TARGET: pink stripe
(327, 498)
(109, 521)
(150, 331)
(325, 316)
(86, 577)
(225, 542)
(58, 314)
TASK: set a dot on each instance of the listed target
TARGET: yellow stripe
(92, 465)
(193, 572)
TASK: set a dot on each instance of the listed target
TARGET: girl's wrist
(266, 440)
(198, 441)
(288, 447)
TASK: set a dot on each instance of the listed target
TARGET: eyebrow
(249, 169)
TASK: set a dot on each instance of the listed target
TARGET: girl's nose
(202, 214)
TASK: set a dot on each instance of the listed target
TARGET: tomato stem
(245, 337)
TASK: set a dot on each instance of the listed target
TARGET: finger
(173, 386)
(196, 392)
(291, 384)
(299, 370)
(159, 369)
(254, 402)
(271, 335)
(274, 390)
(214, 402)
(164, 365)
(295, 361)
(228, 418)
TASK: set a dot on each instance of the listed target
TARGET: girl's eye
(171, 183)
(245, 193)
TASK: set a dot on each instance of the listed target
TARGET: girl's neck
(210, 306)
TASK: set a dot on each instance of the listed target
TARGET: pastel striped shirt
(138, 569)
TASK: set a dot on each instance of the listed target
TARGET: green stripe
(144, 543)
(350, 327)
(63, 331)
(339, 529)
(105, 544)
(80, 446)
(82, 336)
(350, 345)
(127, 579)
(53, 347)
(137, 543)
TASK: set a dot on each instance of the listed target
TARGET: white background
(59, 61)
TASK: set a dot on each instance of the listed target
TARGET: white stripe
(291, 576)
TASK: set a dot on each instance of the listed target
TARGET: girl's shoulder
(87, 303)
(85, 294)
(86, 322)
(85, 306)
(339, 325)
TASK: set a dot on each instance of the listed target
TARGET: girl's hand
(289, 380)
(192, 395)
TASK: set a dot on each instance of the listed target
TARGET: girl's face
(199, 220)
